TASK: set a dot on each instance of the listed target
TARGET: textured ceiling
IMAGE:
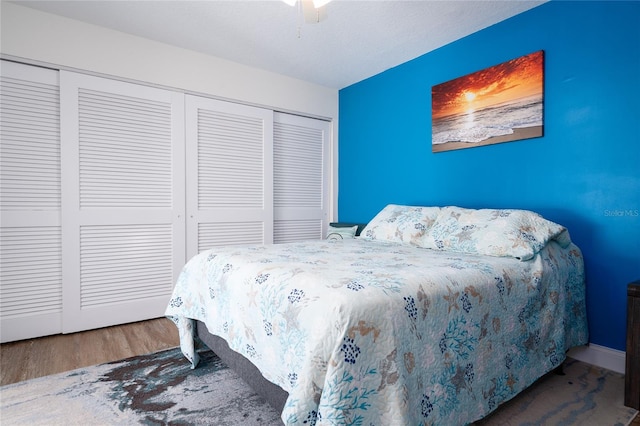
(356, 40)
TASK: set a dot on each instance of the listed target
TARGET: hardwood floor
(28, 359)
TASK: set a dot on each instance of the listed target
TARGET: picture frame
(502, 103)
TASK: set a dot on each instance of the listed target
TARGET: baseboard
(600, 356)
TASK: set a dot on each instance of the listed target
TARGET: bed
(433, 315)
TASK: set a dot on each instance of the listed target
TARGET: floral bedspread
(369, 332)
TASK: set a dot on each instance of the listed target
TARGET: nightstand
(632, 373)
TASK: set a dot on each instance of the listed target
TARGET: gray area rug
(161, 389)
(154, 389)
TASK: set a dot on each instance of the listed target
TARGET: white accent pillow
(507, 233)
(401, 224)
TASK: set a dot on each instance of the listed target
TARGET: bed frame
(274, 394)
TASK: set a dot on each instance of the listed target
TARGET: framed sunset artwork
(499, 104)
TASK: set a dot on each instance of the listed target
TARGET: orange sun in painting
(511, 80)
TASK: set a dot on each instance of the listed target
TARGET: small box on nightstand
(632, 373)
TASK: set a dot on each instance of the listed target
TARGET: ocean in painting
(496, 120)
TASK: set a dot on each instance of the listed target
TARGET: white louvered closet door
(30, 227)
(122, 200)
(229, 174)
(301, 177)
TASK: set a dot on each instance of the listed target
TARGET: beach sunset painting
(499, 104)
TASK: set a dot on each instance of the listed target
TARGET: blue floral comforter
(369, 332)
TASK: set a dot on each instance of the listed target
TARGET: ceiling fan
(312, 10)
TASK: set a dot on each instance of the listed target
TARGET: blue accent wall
(584, 173)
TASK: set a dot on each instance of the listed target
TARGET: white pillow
(509, 233)
(401, 224)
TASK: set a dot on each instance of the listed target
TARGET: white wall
(35, 35)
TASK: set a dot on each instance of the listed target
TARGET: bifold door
(122, 201)
(229, 174)
(30, 225)
(301, 177)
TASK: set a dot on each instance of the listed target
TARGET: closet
(108, 187)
